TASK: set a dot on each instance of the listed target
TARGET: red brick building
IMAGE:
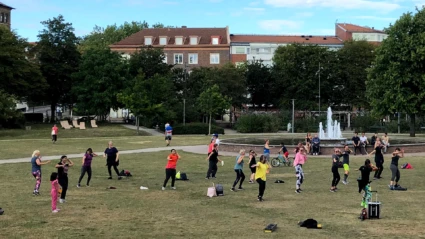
(5, 15)
(183, 47)
(347, 31)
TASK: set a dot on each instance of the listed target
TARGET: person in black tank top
(395, 177)
(379, 159)
(251, 162)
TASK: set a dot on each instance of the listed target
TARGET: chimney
(184, 26)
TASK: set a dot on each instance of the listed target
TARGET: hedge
(258, 123)
(34, 117)
(196, 128)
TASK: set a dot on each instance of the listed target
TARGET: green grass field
(128, 212)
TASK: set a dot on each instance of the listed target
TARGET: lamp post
(184, 91)
(293, 114)
(319, 88)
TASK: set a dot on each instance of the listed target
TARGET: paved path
(199, 149)
(153, 132)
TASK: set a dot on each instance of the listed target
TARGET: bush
(17, 121)
(196, 128)
(34, 117)
(258, 123)
(365, 123)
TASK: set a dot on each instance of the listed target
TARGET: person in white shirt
(217, 140)
(364, 142)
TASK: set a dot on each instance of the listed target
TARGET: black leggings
(63, 181)
(261, 187)
(115, 169)
(87, 169)
(239, 176)
(336, 176)
(170, 173)
(380, 167)
(395, 173)
(212, 170)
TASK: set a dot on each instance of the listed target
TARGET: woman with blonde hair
(240, 176)
(36, 170)
(260, 176)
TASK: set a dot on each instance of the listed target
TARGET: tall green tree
(58, 58)
(354, 59)
(212, 102)
(101, 76)
(18, 76)
(147, 97)
(259, 83)
(150, 61)
(396, 79)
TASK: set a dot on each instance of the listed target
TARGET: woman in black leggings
(112, 159)
(335, 172)
(63, 167)
(86, 166)
(397, 154)
(379, 158)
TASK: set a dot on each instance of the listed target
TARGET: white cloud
(387, 19)
(253, 9)
(279, 25)
(337, 4)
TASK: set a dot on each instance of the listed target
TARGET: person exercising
(346, 163)
(397, 154)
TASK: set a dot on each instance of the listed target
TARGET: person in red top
(170, 169)
(54, 134)
(211, 146)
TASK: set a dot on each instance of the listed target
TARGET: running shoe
(233, 190)
(55, 211)
(110, 178)
(297, 191)
(332, 190)
(174, 188)
(163, 188)
(78, 186)
(240, 188)
(345, 182)
(119, 178)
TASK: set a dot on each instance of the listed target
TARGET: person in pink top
(54, 134)
(211, 146)
(55, 191)
(300, 159)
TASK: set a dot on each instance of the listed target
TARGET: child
(54, 191)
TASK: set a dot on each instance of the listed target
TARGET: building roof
(320, 40)
(5, 6)
(204, 35)
(356, 28)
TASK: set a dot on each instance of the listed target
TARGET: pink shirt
(300, 159)
(55, 129)
(55, 185)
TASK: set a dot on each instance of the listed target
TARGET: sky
(289, 17)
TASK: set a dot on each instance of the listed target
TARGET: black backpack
(1, 211)
(310, 223)
(183, 176)
(219, 190)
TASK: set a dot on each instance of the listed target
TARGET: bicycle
(280, 160)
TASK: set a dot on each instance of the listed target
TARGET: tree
(211, 101)
(150, 61)
(353, 60)
(259, 83)
(147, 97)
(396, 80)
(59, 58)
(19, 76)
(101, 76)
(7, 109)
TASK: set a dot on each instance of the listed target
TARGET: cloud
(248, 11)
(254, 9)
(336, 4)
(387, 19)
(254, 4)
(279, 25)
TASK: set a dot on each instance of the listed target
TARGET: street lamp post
(184, 100)
(319, 88)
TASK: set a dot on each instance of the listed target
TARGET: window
(193, 58)
(178, 58)
(215, 41)
(248, 50)
(165, 58)
(214, 58)
(163, 41)
(6, 17)
(193, 40)
(240, 50)
(148, 41)
(1, 17)
(179, 40)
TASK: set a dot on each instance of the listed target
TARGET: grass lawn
(128, 212)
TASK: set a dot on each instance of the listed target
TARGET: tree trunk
(412, 125)
(52, 112)
(209, 127)
(137, 123)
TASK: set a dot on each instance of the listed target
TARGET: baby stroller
(280, 160)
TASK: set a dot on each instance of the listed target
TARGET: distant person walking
(260, 176)
(266, 150)
(240, 176)
(212, 163)
(54, 191)
(86, 166)
(54, 133)
(112, 159)
(170, 169)
(168, 134)
(300, 159)
(36, 170)
(63, 166)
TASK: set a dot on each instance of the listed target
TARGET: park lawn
(128, 212)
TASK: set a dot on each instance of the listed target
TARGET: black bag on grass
(219, 190)
(125, 173)
(1, 211)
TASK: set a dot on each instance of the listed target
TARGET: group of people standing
(59, 179)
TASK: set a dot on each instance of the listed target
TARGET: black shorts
(253, 170)
(167, 137)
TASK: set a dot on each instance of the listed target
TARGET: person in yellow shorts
(260, 176)
(346, 163)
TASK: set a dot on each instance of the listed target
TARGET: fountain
(333, 135)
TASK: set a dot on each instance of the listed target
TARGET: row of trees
(63, 68)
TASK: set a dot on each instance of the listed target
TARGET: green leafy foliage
(396, 80)
(258, 123)
(9, 117)
(196, 128)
